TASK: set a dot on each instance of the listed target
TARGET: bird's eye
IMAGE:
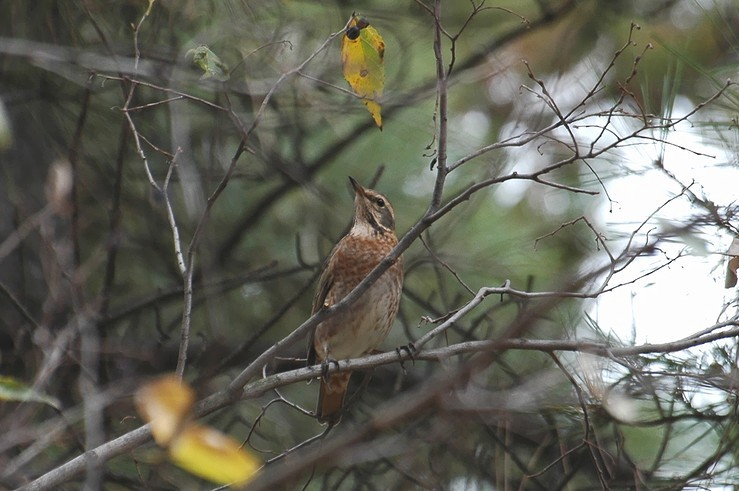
(380, 202)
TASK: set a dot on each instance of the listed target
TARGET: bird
(366, 323)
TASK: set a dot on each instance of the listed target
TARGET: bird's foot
(408, 348)
(325, 365)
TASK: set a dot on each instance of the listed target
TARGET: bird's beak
(358, 189)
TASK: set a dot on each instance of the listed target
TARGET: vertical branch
(441, 95)
(177, 243)
(89, 388)
(186, 269)
(115, 223)
(88, 380)
(73, 158)
(161, 189)
(186, 317)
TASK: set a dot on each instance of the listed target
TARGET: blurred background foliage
(66, 69)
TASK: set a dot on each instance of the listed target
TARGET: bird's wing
(322, 295)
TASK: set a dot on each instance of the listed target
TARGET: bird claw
(325, 365)
(408, 348)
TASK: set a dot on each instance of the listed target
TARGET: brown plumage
(364, 326)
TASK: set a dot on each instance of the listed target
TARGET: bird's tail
(331, 397)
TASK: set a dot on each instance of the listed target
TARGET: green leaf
(209, 62)
(12, 389)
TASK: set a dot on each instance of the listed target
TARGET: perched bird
(367, 322)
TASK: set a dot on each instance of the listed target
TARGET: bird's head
(373, 213)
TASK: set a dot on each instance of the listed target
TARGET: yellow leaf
(362, 59)
(165, 403)
(208, 453)
(201, 450)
